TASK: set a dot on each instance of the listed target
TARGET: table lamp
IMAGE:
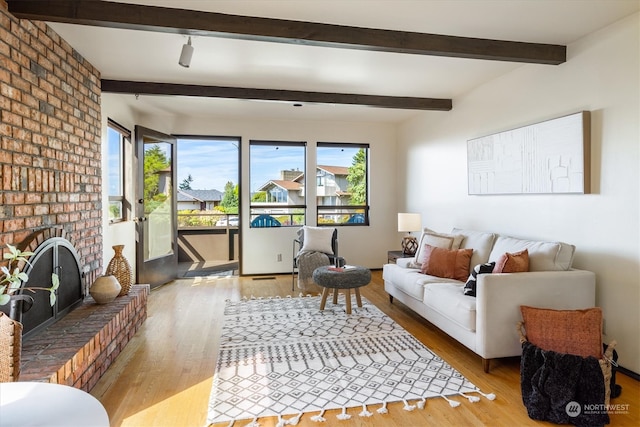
(408, 222)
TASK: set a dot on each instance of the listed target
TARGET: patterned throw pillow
(577, 332)
(470, 286)
(517, 262)
(450, 264)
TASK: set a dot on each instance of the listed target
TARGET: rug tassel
(281, 422)
(319, 418)
(408, 407)
(293, 421)
(489, 396)
(231, 423)
(364, 412)
(383, 409)
(254, 423)
(343, 415)
(452, 403)
(421, 403)
(472, 399)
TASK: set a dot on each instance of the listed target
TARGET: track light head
(186, 54)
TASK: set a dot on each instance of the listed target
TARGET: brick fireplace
(50, 178)
(50, 139)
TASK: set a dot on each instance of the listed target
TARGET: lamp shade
(408, 222)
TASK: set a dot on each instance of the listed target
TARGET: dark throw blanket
(562, 388)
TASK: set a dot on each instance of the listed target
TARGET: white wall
(602, 76)
(365, 246)
(122, 233)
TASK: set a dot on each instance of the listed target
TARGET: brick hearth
(78, 349)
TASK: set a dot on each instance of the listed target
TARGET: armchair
(312, 248)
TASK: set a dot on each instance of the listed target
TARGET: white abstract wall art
(548, 157)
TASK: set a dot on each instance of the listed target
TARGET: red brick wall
(50, 129)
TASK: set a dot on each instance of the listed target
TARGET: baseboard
(628, 372)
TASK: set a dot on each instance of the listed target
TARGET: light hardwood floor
(163, 377)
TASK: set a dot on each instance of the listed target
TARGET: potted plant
(12, 279)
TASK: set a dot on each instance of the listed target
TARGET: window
(208, 171)
(116, 137)
(342, 190)
(277, 183)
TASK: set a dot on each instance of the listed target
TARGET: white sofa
(486, 323)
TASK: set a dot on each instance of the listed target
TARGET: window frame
(355, 208)
(124, 138)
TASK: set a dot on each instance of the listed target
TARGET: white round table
(45, 404)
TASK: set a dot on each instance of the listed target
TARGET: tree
(357, 178)
(186, 183)
(155, 161)
(229, 201)
(259, 196)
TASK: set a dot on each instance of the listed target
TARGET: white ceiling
(153, 56)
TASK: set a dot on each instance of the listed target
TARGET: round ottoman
(329, 277)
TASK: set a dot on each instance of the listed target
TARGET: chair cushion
(577, 332)
(317, 239)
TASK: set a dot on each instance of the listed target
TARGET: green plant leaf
(55, 281)
(52, 298)
(4, 299)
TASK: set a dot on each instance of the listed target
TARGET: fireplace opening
(52, 254)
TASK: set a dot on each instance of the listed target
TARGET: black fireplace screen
(54, 255)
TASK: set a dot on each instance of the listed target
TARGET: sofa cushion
(439, 240)
(451, 264)
(543, 256)
(448, 300)
(517, 262)
(481, 243)
(408, 280)
(577, 332)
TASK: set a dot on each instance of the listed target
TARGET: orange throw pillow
(517, 262)
(577, 332)
(450, 264)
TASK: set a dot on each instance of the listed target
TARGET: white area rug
(285, 357)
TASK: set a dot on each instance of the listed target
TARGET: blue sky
(212, 163)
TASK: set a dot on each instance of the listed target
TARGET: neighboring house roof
(287, 185)
(199, 195)
(335, 170)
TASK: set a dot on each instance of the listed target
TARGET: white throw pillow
(317, 239)
(438, 240)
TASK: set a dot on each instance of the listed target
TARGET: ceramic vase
(105, 289)
(121, 269)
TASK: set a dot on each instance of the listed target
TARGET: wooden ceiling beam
(397, 102)
(199, 23)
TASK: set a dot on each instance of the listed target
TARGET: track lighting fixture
(186, 54)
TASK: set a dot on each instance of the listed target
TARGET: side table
(48, 404)
(392, 256)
